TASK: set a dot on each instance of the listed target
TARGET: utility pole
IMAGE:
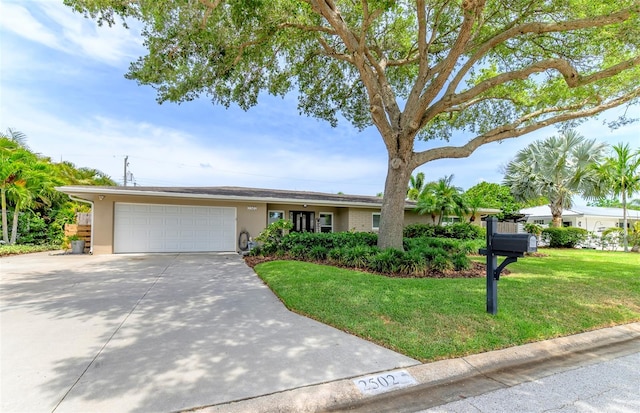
(126, 163)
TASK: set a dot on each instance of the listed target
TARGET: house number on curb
(384, 382)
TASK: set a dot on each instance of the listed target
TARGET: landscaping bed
(476, 270)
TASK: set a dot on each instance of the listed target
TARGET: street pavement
(608, 386)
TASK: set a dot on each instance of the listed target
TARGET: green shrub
(358, 256)
(336, 255)
(329, 240)
(461, 230)
(386, 261)
(534, 229)
(413, 263)
(461, 262)
(272, 237)
(318, 253)
(465, 231)
(32, 229)
(419, 231)
(441, 263)
(567, 237)
(298, 252)
(359, 250)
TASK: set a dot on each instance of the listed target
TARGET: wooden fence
(83, 218)
(507, 227)
(82, 231)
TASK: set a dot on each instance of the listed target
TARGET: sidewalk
(448, 381)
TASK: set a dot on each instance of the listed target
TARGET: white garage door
(173, 228)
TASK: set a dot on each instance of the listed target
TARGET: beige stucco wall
(338, 212)
(411, 217)
(250, 216)
(360, 219)
(341, 220)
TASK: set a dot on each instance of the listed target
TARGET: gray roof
(231, 193)
(545, 211)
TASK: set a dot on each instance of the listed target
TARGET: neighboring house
(190, 219)
(593, 219)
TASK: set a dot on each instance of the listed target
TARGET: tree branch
(518, 128)
(472, 8)
(539, 28)
(570, 74)
(306, 28)
(330, 51)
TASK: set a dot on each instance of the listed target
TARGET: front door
(303, 221)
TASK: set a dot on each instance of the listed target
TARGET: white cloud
(165, 156)
(56, 26)
(20, 21)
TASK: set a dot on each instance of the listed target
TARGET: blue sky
(62, 84)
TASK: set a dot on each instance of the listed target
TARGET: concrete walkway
(158, 333)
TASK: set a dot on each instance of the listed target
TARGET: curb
(450, 380)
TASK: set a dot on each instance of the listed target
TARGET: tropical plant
(621, 174)
(33, 188)
(427, 205)
(272, 236)
(27, 186)
(557, 168)
(534, 229)
(15, 162)
(442, 197)
(420, 70)
(416, 185)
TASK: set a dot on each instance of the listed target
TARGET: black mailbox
(513, 243)
(510, 246)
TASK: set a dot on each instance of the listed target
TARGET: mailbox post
(510, 246)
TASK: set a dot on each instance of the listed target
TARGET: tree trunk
(625, 230)
(5, 228)
(14, 229)
(392, 214)
(556, 214)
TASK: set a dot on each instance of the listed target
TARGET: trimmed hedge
(358, 250)
(564, 237)
(461, 230)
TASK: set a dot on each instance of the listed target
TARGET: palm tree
(556, 168)
(441, 197)
(621, 172)
(72, 175)
(26, 181)
(427, 205)
(416, 186)
(14, 159)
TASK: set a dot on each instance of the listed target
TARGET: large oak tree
(487, 70)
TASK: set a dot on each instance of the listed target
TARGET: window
(375, 221)
(326, 222)
(538, 221)
(274, 216)
(450, 220)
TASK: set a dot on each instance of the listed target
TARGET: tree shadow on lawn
(166, 333)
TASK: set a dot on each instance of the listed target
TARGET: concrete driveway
(165, 332)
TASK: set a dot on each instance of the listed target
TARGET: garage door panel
(172, 228)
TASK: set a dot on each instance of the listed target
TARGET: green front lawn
(566, 292)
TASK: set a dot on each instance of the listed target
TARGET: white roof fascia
(102, 191)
